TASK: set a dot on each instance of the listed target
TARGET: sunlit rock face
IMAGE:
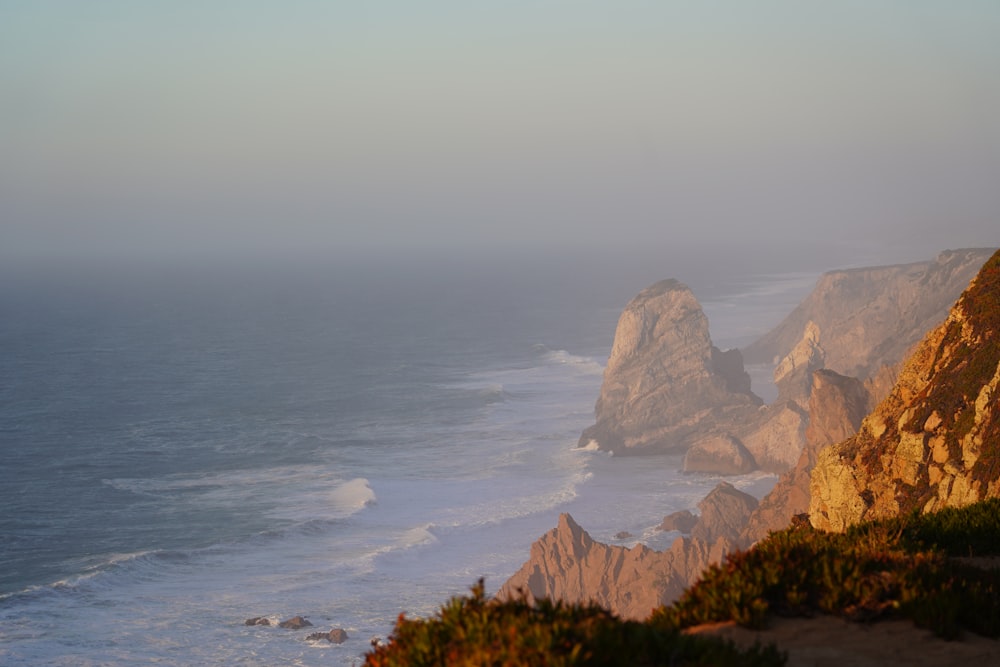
(567, 564)
(935, 440)
(665, 385)
(837, 406)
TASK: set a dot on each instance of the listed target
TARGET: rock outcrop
(935, 440)
(567, 564)
(334, 636)
(682, 521)
(720, 455)
(724, 513)
(665, 384)
(837, 406)
(870, 317)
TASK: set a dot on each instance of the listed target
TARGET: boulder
(258, 620)
(724, 513)
(295, 623)
(682, 521)
(334, 636)
(720, 455)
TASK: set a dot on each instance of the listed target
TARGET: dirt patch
(827, 641)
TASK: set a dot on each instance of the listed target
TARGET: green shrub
(898, 567)
(472, 630)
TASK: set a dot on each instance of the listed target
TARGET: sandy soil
(826, 641)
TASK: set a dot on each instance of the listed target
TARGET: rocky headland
(836, 356)
(935, 440)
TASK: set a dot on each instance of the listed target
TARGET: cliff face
(665, 384)
(861, 319)
(567, 564)
(837, 406)
(935, 440)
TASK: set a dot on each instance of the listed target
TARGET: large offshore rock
(665, 385)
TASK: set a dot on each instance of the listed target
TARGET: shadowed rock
(334, 636)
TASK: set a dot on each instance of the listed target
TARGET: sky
(175, 128)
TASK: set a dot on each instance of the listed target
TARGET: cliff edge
(857, 320)
(935, 440)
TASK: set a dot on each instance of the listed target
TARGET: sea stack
(665, 384)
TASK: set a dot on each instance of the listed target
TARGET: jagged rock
(793, 374)
(258, 620)
(721, 455)
(334, 636)
(724, 513)
(837, 405)
(871, 317)
(932, 443)
(664, 384)
(295, 623)
(775, 435)
(567, 565)
(682, 521)
(729, 366)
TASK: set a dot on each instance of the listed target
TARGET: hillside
(935, 440)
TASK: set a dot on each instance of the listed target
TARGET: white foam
(353, 495)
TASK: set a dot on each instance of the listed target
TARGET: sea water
(186, 447)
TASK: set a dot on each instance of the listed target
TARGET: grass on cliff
(474, 630)
(903, 568)
(898, 568)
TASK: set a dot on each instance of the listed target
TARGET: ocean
(184, 447)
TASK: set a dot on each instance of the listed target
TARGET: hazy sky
(145, 127)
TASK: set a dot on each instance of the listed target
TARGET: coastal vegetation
(474, 630)
(917, 566)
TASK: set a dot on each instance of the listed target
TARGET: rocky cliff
(837, 406)
(665, 384)
(935, 440)
(567, 564)
(858, 320)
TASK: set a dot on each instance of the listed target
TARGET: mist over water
(185, 449)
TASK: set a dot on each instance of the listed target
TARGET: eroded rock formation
(935, 440)
(567, 564)
(870, 317)
(837, 405)
(665, 384)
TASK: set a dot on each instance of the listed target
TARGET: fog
(175, 130)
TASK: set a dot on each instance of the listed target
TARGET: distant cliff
(935, 440)
(861, 319)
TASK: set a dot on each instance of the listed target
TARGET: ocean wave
(562, 357)
(353, 495)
